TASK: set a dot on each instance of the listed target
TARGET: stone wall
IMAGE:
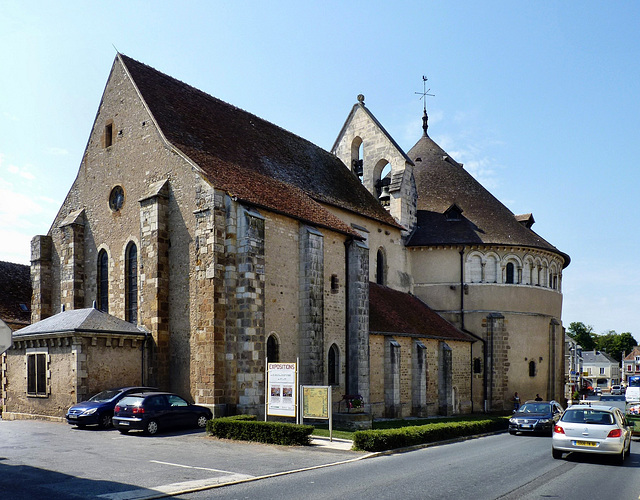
(78, 367)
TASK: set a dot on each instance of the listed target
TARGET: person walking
(516, 402)
(538, 398)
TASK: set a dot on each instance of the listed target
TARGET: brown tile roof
(441, 182)
(250, 158)
(15, 294)
(391, 311)
(632, 355)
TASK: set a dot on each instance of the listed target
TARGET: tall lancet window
(103, 281)
(380, 267)
(131, 284)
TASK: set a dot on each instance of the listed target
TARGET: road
(495, 467)
(55, 461)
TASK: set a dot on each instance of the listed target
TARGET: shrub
(387, 439)
(262, 432)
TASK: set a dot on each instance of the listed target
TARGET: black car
(98, 409)
(535, 417)
(152, 411)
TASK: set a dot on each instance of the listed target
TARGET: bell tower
(379, 163)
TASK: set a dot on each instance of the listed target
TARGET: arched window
(273, 349)
(382, 185)
(357, 163)
(532, 368)
(491, 270)
(333, 365)
(475, 269)
(103, 281)
(510, 273)
(131, 283)
(380, 267)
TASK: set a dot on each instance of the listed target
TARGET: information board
(281, 389)
(315, 401)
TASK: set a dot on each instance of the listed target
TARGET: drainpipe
(462, 288)
(144, 345)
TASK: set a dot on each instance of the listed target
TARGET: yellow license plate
(586, 443)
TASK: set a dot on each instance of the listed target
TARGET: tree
(615, 344)
(583, 335)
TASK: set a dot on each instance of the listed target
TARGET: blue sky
(539, 100)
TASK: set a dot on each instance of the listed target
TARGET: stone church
(199, 240)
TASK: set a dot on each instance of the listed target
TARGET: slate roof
(590, 357)
(251, 158)
(15, 294)
(87, 320)
(442, 182)
(392, 311)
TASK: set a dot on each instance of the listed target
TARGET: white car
(589, 428)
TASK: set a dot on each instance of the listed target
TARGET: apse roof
(442, 182)
(251, 158)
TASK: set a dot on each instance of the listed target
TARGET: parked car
(535, 417)
(150, 412)
(592, 429)
(616, 390)
(98, 409)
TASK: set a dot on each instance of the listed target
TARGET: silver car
(589, 428)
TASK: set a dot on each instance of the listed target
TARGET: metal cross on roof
(425, 92)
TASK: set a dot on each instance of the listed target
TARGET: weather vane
(425, 92)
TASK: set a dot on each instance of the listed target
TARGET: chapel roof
(251, 158)
(441, 182)
(15, 294)
(88, 320)
(392, 311)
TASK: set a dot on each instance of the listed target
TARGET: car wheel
(105, 421)
(202, 421)
(513, 433)
(80, 426)
(151, 428)
(557, 454)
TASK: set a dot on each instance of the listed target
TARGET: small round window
(116, 198)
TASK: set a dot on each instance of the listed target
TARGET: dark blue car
(98, 410)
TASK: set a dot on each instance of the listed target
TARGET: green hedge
(388, 439)
(241, 428)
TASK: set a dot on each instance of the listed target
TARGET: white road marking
(191, 467)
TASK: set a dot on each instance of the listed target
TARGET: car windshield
(103, 396)
(131, 401)
(588, 416)
(535, 408)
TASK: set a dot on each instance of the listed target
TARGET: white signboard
(5, 337)
(281, 389)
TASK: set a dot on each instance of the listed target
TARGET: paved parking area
(55, 460)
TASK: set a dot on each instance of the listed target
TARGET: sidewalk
(336, 444)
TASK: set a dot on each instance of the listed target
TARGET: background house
(600, 369)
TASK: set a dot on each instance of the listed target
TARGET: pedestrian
(516, 402)
(538, 398)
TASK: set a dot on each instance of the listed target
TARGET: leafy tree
(615, 344)
(583, 335)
